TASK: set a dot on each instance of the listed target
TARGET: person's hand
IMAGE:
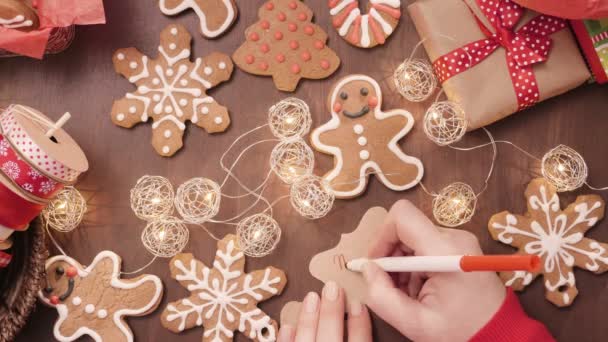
(429, 307)
(322, 319)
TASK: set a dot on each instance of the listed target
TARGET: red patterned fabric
(525, 47)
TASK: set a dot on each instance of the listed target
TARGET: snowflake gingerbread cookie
(369, 29)
(18, 15)
(224, 298)
(171, 90)
(363, 139)
(215, 16)
(94, 301)
(557, 236)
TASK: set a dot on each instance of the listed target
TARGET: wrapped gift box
(592, 35)
(486, 90)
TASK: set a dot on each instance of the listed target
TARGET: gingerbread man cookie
(367, 30)
(171, 90)
(363, 139)
(94, 301)
(557, 236)
(224, 298)
(18, 15)
(286, 45)
(215, 16)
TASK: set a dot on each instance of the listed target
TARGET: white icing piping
(195, 76)
(171, 118)
(349, 21)
(144, 72)
(16, 22)
(339, 7)
(230, 14)
(365, 38)
(184, 54)
(390, 3)
(392, 145)
(388, 29)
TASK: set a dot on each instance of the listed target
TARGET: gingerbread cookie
(363, 139)
(224, 298)
(557, 236)
(16, 14)
(286, 45)
(171, 90)
(215, 16)
(367, 30)
(94, 301)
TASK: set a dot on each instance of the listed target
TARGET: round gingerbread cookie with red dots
(286, 45)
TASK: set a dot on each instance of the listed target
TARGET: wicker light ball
(454, 205)
(292, 159)
(565, 168)
(312, 197)
(415, 79)
(66, 211)
(445, 123)
(165, 237)
(258, 235)
(152, 197)
(289, 118)
(198, 200)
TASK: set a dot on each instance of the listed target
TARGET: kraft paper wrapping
(485, 91)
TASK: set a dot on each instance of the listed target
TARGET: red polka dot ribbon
(24, 175)
(525, 47)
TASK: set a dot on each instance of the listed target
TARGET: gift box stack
(36, 27)
(593, 37)
(36, 161)
(495, 58)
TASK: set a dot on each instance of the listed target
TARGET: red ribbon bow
(525, 47)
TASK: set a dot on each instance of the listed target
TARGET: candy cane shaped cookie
(365, 30)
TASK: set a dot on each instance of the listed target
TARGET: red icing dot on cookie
(292, 27)
(254, 37)
(372, 102)
(281, 16)
(305, 56)
(319, 45)
(278, 35)
(309, 30)
(302, 16)
(270, 6)
(265, 24)
(264, 48)
(71, 272)
(337, 107)
(293, 5)
(263, 66)
(295, 69)
(280, 58)
(54, 300)
(325, 64)
(249, 59)
(294, 45)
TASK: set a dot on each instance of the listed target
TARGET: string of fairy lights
(197, 202)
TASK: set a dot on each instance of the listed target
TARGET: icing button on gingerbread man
(94, 301)
(363, 140)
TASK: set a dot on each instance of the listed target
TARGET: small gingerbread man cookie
(363, 139)
(94, 301)
(16, 14)
(215, 16)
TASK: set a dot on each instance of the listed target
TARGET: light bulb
(161, 235)
(62, 205)
(561, 168)
(289, 120)
(257, 234)
(156, 200)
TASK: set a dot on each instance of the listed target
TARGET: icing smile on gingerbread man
(60, 273)
(364, 140)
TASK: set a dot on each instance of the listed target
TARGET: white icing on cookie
(89, 308)
(369, 164)
(102, 314)
(76, 301)
(16, 22)
(117, 317)
(207, 32)
(362, 141)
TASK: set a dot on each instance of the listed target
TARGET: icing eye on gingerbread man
(355, 100)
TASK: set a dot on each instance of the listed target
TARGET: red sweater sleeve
(511, 324)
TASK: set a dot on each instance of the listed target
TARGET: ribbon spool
(44, 150)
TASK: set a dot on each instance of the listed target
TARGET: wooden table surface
(82, 80)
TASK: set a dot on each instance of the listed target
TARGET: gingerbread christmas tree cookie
(363, 139)
(223, 298)
(215, 16)
(94, 301)
(557, 236)
(286, 45)
(171, 90)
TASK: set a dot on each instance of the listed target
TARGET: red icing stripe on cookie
(393, 12)
(332, 3)
(340, 18)
(378, 34)
(355, 33)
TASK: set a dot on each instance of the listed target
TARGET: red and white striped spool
(59, 158)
